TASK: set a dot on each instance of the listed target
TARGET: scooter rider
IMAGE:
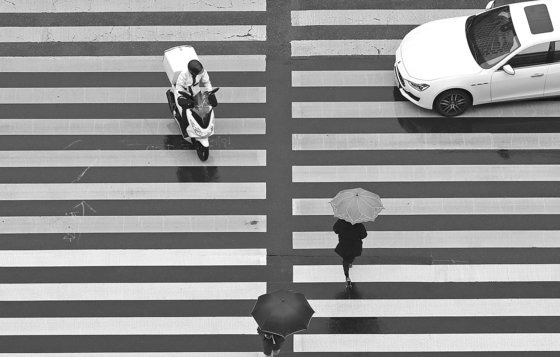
(195, 75)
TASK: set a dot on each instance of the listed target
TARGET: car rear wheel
(452, 102)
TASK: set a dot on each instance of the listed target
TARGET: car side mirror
(507, 68)
(490, 5)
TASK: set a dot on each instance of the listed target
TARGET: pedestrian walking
(352, 207)
(271, 343)
(279, 314)
(349, 244)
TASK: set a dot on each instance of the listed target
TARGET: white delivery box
(176, 59)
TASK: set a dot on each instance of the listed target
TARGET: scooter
(193, 112)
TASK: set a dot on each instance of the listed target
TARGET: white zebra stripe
(427, 141)
(93, 34)
(134, 191)
(342, 78)
(442, 206)
(129, 158)
(131, 291)
(137, 95)
(435, 239)
(131, 257)
(62, 6)
(425, 173)
(435, 307)
(374, 16)
(445, 342)
(128, 326)
(306, 48)
(399, 110)
(75, 224)
(212, 63)
(439, 273)
(223, 126)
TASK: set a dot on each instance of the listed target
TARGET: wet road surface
(179, 288)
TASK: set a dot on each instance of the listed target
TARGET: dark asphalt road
(277, 174)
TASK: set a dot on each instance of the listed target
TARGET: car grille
(399, 77)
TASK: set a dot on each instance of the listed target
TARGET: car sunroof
(539, 19)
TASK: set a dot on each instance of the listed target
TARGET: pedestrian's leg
(346, 267)
(276, 349)
(267, 347)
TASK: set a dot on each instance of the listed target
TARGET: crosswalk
(115, 238)
(117, 241)
(439, 274)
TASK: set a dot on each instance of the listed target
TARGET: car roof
(521, 23)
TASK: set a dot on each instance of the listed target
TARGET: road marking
(441, 206)
(435, 239)
(74, 224)
(435, 307)
(33, 6)
(134, 191)
(374, 16)
(131, 291)
(343, 78)
(427, 141)
(131, 257)
(137, 95)
(443, 273)
(445, 342)
(129, 158)
(212, 63)
(94, 34)
(306, 48)
(223, 126)
(52, 326)
(425, 173)
(400, 110)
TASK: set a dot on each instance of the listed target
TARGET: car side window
(532, 56)
(557, 51)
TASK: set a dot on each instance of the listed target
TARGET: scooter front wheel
(202, 151)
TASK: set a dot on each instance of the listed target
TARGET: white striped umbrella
(356, 205)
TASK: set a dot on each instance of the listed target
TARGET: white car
(505, 53)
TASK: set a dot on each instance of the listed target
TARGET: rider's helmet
(195, 67)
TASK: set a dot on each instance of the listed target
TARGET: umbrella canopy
(356, 205)
(282, 312)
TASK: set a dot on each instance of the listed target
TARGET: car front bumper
(424, 99)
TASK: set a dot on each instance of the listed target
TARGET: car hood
(438, 49)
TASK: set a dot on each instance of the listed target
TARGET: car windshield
(491, 36)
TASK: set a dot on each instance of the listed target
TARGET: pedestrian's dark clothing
(271, 341)
(349, 241)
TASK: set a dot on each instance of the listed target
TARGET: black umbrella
(282, 312)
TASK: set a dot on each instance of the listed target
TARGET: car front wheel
(452, 102)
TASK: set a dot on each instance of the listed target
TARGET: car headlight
(419, 87)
